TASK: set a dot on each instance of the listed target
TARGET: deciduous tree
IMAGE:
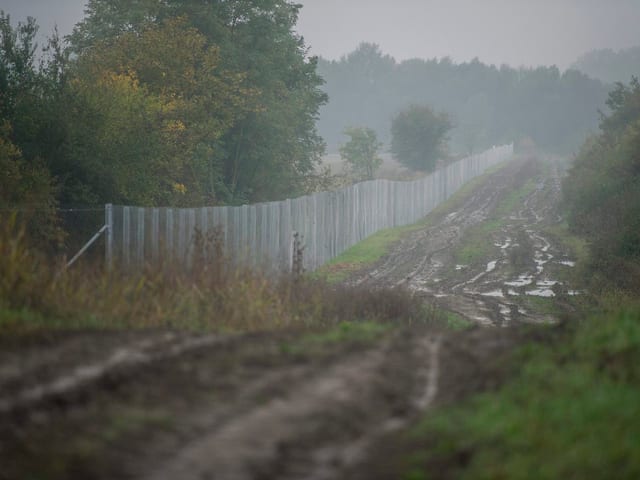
(270, 152)
(418, 137)
(157, 103)
(361, 152)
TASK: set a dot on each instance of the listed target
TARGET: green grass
(364, 253)
(572, 243)
(346, 332)
(572, 413)
(375, 247)
(477, 243)
(456, 322)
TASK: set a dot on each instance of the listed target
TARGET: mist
(515, 32)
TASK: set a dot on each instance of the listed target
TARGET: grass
(376, 246)
(364, 253)
(477, 244)
(212, 295)
(353, 333)
(571, 413)
(457, 322)
(576, 247)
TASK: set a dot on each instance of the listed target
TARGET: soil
(179, 405)
(522, 270)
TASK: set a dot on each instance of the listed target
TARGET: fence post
(297, 260)
(108, 221)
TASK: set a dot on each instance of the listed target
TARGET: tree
(150, 109)
(490, 105)
(610, 66)
(272, 151)
(28, 133)
(601, 191)
(418, 137)
(361, 152)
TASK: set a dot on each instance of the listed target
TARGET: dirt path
(171, 405)
(499, 289)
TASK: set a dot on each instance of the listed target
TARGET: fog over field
(515, 32)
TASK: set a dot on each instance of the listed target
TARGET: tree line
(610, 66)
(487, 105)
(602, 192)
(155, 102)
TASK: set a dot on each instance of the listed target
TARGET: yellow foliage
(179, 188)
(174, 126)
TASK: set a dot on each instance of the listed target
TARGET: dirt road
(171, 405)
(504, 284)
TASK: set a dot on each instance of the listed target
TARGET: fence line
(260, 235)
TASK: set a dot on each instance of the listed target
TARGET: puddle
(540, 265)
(522, 281)
(505, 245)
(573, 293)
(567, 263)
(546, 283)
(493, 293)
(461, 267)
(491, 266)
(541, 292)
(482, 320)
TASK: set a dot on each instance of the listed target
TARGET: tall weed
(209, 293)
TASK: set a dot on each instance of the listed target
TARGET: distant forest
(488, 105)
(610, 66)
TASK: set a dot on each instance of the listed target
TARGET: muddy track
(493, 291)
(176, 405)
(237, 408)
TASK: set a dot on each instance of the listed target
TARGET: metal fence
(261, 235)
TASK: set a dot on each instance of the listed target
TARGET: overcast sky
(516, 32)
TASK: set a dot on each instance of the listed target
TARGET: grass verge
(571, 413)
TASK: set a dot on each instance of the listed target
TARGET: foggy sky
(516, 32)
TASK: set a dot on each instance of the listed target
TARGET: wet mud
(522, 260)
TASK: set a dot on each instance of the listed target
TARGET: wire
(62, 210)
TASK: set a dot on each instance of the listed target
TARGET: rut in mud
(522, 262)
(169, 405)
(236, 409)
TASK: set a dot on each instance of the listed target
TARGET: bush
(602, 195)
